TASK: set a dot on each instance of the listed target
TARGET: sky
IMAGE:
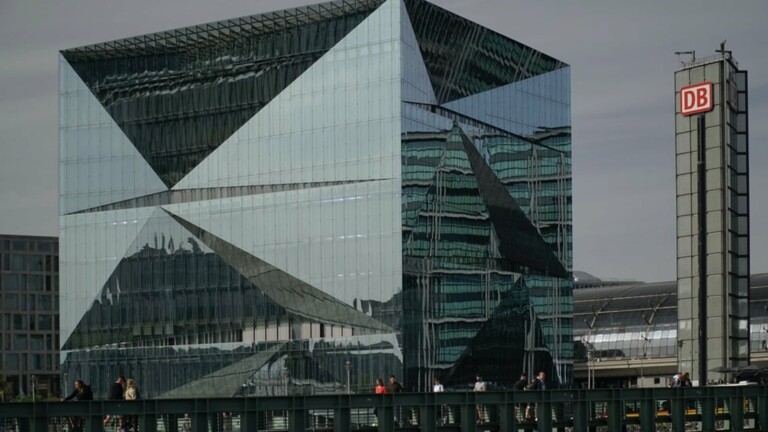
(622, 59)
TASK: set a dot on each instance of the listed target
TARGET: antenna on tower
(724, 51)
(690, 53)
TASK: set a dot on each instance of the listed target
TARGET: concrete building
(29, 307)
(712, 148)
(304, 200)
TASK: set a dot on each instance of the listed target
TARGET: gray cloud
(622, 61)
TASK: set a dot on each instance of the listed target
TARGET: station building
(626, 335)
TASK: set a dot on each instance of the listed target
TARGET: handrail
(613, 409)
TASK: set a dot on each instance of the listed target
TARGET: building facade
(305, 200)
(29, 306)
(712, 148)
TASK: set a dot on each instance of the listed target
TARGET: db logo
(696, 98)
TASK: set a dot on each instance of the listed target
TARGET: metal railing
(737, 408)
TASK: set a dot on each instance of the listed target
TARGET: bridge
(736, 408)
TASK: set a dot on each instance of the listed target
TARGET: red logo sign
(696, 98)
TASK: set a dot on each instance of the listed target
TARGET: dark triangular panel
(464, 58)
(291, 293)
(496, 351)
(169, 266)
(519, 240)
(177, 95)
(226, 382)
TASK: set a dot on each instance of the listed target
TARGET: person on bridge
(380, 387)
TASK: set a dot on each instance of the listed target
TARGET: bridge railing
(658, 409)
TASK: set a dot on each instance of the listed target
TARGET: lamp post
(348, 367)
(286, 377)
(34, 382)
(646, 341)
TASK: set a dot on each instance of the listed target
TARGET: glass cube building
(275, 203)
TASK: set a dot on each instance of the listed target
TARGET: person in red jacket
(380, 387)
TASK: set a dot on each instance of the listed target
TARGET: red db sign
(696, 98)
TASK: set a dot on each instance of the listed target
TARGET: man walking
(520, 385)
(395, 387)
(115, 393)
(539, 383)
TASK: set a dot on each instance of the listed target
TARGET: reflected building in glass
(250, 206)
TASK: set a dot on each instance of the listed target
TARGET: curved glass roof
(640, 319)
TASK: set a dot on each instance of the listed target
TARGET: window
(44, 322)
(20, 342)
(44, 303)
(11, 302)
(35, 282)
(11, 362)
(19, 322)
(35, 262)
(18, 262)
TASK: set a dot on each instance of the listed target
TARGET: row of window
(29, 362)
(24, 322)
(32, 342)
(24, 245)
(33, 263)
(28, 282)
(32, 302)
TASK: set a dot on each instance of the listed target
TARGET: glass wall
(302, 201)
(245, 238)
(487, 234)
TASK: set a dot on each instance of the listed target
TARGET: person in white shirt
(437, 387)
(480, 387)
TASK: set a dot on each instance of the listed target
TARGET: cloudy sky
(622, 58)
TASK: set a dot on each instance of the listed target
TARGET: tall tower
(711, 146)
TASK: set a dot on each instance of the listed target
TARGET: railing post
(468, 416)
(678, 411)
(297, 415)
(648, 411)
(707, 402)
(200, 422)
(544, 412)
(507, 419)
(39, 421)
(762, 411)
(737, 412)
(615, 412)
(171, 421)
(94, 423)
(581, 411)
(427, 417)
(147, 422)
(386, 418)
(341, 419)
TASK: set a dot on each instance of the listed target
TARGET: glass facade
(305, 200)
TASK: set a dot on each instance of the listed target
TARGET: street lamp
(348, 367)
(34, 382)
(287, 377)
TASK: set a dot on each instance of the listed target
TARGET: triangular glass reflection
(178, 95)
